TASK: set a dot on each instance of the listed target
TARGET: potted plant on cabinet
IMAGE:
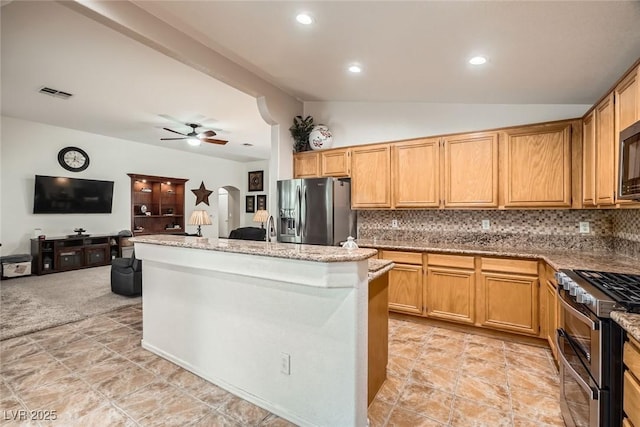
(300, 131)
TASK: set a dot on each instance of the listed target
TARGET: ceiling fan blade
(175, 131)
(170, 139)
(207, 134)
(171, 119)
(214, 141)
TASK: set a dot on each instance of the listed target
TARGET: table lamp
(199, 218)
(261, 216)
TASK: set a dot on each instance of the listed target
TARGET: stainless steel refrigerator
(315, 211)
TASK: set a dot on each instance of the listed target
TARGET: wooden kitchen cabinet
(549, 308)
(627, 112)
(450, 288)
(631, 384)
(371, 176)
(405, 281)
(306, 164)
(589, 159)
(416, 173)
(605, 180)
(335, 163)
(471, 170)
(508, 295)
(322, 163)
(536, 161)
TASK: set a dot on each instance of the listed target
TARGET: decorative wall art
(250, 204)
(256, 179)
(261, 202)
(202, 194)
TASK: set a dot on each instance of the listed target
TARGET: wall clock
(73, 159)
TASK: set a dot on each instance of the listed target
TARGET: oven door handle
(593, 393)
(580, 316)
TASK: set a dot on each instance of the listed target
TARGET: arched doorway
(228, 210)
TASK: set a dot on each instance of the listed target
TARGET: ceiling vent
(55, 92)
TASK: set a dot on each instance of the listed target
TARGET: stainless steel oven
(590, 353)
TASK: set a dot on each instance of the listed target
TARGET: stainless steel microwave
(629, 171)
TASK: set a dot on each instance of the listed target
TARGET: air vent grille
(55, 92)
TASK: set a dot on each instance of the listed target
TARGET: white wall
(354, 123)
(30, 149)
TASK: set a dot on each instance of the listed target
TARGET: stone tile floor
(95, 373)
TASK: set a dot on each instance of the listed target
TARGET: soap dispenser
(350, 243)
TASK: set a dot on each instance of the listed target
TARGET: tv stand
(56, 254)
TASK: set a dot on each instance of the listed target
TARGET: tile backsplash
(608, 229)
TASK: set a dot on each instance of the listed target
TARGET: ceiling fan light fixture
(304, 19)
(193, 142)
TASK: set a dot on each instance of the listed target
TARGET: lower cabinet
(549, 308)
(508, 295)
(405, 282)
(631, 384)
(494, 293)
(450, 288)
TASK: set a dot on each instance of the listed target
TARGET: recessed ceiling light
(355, 68)
(477, 60)
(193, 141)
(304, 19)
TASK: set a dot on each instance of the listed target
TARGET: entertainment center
(56, 254)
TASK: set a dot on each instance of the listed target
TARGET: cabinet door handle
(67, 253)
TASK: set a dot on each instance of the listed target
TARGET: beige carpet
(33, 303)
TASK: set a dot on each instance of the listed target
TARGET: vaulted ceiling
(543, 52)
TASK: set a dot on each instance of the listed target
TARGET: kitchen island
(284, 326)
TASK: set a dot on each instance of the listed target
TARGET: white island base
(289, 335)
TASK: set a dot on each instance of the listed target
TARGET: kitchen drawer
(403, 257)
(632, 356)
(508, 265)
(631, 399)
(450, 260)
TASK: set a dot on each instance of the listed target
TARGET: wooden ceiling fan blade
(214, 141)
(175, 131)
(170, 139)
(207, 134)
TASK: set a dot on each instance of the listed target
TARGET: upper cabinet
(627, 112)
(336, 162)
(371, 176)
(325, 163)
(605, 179)
(471, 170)
(537, 166)
(415, 173)
(306, 164)
(589, 159)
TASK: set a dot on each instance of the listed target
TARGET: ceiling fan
(195, 138)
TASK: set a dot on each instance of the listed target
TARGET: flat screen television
(59, 195)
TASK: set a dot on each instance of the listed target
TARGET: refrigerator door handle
(298, 197)
(306, 214)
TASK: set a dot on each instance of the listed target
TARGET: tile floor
(441, 377)
(94, 373)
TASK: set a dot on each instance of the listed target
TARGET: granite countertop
(378, 267)
(569, 259)
(271, 249)
(630, 322)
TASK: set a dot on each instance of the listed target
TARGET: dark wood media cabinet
(56, 254)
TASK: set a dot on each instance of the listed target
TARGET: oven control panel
(584, 293)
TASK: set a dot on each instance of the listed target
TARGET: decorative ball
(320, 138)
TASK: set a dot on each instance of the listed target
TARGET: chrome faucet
(271, 229)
